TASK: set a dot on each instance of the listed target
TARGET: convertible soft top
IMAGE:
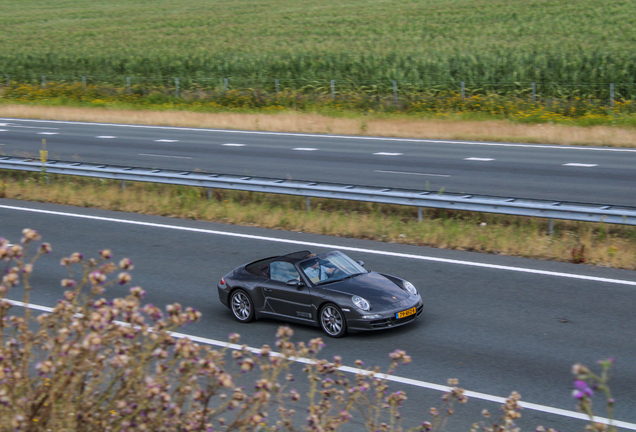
(261, 267)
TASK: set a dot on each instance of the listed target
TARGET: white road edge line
(550, 146)
(392, 378)
(574, 164)
(166, 156)
(325, 245)
(412, 173)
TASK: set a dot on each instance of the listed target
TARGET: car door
(291, 301)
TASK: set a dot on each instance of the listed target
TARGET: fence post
(277, 87)
(333, 89)
(176, 86)
(128, 84)
(43, 82)
(395, 99)
(83, 81)
(8, 81)
(534, 92)
(225, 83)
(463, 90)
(611, 94)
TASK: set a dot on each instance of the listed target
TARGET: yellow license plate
(405, 313)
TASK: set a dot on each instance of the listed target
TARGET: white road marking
(417, 140)
(387, 154)
(479, 159)
(166, 140)
(234, 145)
(327, 246)
(305, 149)
(412, 173)
(2, 144)
(4, 130)
(580, 165)
(165, 156)
(48, 133)
(25, 127)
(106, 137)
(390, 378)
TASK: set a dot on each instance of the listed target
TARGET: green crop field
(423, 41)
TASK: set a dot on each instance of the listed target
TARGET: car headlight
(360, 303)
(410, 288)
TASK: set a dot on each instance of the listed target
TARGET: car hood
(377, 289)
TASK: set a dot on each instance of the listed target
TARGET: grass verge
(451, 127)
(592, 243)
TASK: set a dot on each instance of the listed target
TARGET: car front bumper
(388, 320)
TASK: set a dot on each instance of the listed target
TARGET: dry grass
(605, 245)
(491, 130)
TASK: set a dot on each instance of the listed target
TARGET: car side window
(283, 271)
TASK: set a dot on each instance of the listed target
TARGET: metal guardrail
(479, 203)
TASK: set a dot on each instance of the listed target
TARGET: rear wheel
(332, 321)
(242, 306)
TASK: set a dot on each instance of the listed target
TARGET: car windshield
(330, 267)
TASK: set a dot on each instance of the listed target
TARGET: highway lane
(598, 175)
(495, 329)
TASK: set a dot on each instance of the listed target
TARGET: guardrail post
(419, 215)
(333, 89)
(395, 99)
(123, 185)
(209, 194)
(611, 94)
(43, 81)
(128, 84)
(307, 204)
(83, 81)
(8, 81)
(176, 86)
(463, 90)
(277, 87)
(534, 92)
(225, 84)
(551, 226)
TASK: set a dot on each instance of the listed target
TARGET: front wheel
(332, 321)
(242, 306)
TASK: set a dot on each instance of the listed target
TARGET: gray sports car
(330, 290)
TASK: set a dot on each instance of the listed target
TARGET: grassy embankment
(604, 245)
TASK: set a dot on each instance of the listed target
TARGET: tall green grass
(588, 41)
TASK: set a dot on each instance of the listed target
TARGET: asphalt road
(560, 173)
(496, 323)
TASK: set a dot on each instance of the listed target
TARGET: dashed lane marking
(574, 164)
(234, 145)
(165, 156)
(412, 173)
(105, 137)
(166, 140)
(479, 159)
(305, 149)
(48, 133)
(387, 154)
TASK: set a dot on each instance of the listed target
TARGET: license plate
(405, 313)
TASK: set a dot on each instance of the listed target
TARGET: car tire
(332, 321)
(242, 306)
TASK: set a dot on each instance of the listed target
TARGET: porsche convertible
(330, 290)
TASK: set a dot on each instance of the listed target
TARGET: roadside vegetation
(92, 364)
(579, 242)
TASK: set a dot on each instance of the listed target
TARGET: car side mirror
(295, 283)
(361, 263)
